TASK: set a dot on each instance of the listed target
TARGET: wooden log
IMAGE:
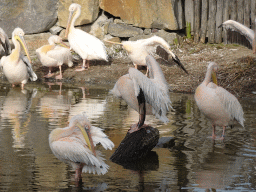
(247, 5)
(233, 3)
(204, 20)
(197, 19)
(226, 13)
(253, 14)
(212, 21)
(189, 13)
(136, 145)
(219, 21)
(240, 11)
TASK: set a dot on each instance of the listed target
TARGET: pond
(193, 163)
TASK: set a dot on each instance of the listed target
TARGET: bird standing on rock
(54, 55)
(16, 67)
(216, 103)
(85, 45)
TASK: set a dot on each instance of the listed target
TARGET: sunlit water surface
(194, 163)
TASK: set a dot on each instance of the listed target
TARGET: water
(194, 163)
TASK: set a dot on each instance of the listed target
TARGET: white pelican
(84, 44)
(16, 66)
(5, 46)
(53, 55)
(137, 89)
(75, 145)
(216, 103)
(138, 50)
(235, 27)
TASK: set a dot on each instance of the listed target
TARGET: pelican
(5, 48)
(75, 145)
(216, 103)
(16, 67)
(138, 50)
(85, 45)
(53, 55)
(234, 26)
(137, 90)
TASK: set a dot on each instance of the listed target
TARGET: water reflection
(194, 163)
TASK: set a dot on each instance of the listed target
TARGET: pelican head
(84, 125)
(18, 35)
(74, 12)
(214, 67)
(55, 39)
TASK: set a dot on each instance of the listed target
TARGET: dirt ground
(237, 68)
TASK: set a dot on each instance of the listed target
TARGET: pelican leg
(83, 66)
(213, 132)
(50, 74)
(60, 75)
(223, 133)
(78, 175)
(13, 85)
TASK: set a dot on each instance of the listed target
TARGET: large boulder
(89, 12)
(161, 14)
(33, 16)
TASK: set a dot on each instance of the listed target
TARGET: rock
(160, 14)
(89, 11)
(32, 16)
(99, 27)
(147, 31)
(123, 30)
(55, 30)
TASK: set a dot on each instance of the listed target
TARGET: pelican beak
(214, 78)
(176, 60)
(24, 45)
(113, 42)
(87, 137)
(69, 22)
(63, 45)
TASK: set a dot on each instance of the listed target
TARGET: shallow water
(194, 163)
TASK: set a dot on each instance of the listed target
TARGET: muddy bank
(237, 68)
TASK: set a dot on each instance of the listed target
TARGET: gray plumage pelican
(145, 95)
(138, 50)
(216, 103)
(85, 45)
(235, 27)
(75, 145)
(5, 46)
(16, 67)
(55, 54)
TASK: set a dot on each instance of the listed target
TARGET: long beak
(69, 22)
(87, 137)
(176, 60)
(214, 78)
(63, 45)
(113, 42)
(24, 45)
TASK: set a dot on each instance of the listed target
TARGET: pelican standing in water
(216, 103)
(75, 145)
(138, 50)
(16, 67)
(54, 55)
(5, 46)
(236, 27)
(145, 95)
(85, 45)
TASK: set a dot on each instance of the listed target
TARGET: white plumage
(84, 44)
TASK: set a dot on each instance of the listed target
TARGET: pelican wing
(234, 28)
(32, 75)
(4, 40)
(98, 136)
(158, 99)
(231, 104)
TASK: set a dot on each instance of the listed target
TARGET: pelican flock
(54, 55)
(216, 103)
(85, 45)
(16, 67)
(138, 50)
(75, 145)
